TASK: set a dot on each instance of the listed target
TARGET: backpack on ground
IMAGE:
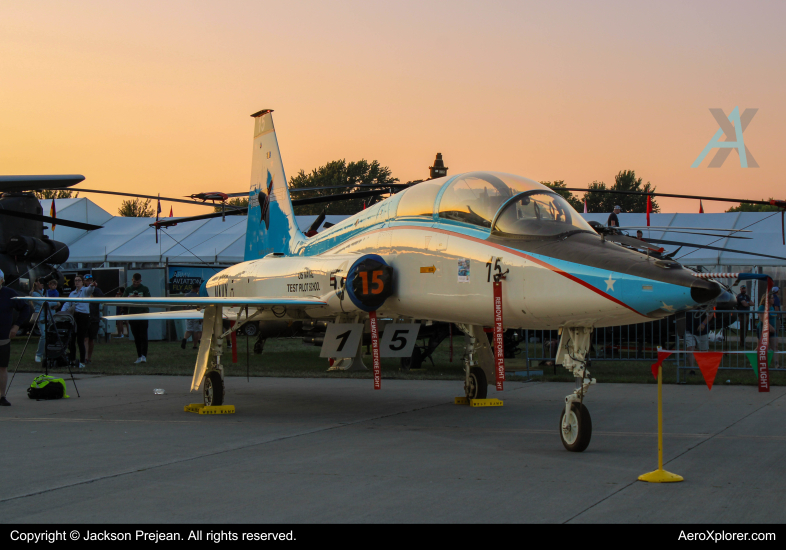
(47, 387)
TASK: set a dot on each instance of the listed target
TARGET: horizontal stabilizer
(10, 184)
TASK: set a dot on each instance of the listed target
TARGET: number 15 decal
(399, 339)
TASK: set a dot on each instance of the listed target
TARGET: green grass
(291, 358)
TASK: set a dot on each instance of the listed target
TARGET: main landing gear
(478, 362)
(575, 422)
(213, 389)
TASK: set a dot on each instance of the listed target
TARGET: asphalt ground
(336, 451)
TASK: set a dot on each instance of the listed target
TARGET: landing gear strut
(477, 355)
(575, 421)
(213, 390)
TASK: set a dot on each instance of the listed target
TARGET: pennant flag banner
(662, 355)
(649, 208)
(709, 361)
(170, 212)
(701, 208)
(753, 359)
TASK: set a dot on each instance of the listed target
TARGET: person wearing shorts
(697, 328)
(95, 318)
(8, 329)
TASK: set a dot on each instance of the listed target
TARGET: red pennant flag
(585, 206)
(649, 208)
(170, 212)
(662, 355)
(709, 361)
(53, 213)
(701, 207)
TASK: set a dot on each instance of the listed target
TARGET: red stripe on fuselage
(516, 253)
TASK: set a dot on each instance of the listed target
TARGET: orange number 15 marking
(375, 279)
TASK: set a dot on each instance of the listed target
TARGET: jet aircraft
(434, 252)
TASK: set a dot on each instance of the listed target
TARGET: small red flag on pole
(585, 207)
(701, 207)
(170, 212)
(649, 208)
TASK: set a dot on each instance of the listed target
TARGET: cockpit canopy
(513, 205)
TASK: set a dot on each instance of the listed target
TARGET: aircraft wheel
(251, 329)
(414, 362)
(214, 389)
(577, 434)
(478, 385)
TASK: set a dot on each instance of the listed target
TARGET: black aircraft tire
(579, 428)
(214, 389)
(250, 329)
(478, 385)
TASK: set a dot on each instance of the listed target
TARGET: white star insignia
(609, 283)
(667, 307)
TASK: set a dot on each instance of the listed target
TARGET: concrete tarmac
(335, 450)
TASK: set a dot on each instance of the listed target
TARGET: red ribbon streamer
(450, 332)
(233, 339)
(372, 317)
(662, 355)
(764, 342)
(499, 339)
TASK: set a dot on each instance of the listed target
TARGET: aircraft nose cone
(703, 291)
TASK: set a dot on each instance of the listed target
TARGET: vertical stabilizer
(271, 218)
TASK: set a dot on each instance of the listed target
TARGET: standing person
(138, 328)
(8, 329)
(744, 304)
(38, 292)
(82, 318)
(95, 318)
(121, 310)
(193, 326)
(613, 220)
(697, 327)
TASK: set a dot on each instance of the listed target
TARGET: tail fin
(271, 225)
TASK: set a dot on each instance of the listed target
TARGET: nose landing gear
(575, 421)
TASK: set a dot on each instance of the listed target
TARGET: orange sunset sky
(155, 97)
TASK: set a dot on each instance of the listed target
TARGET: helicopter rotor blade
(47, 219)
(154, 197)
(708, 247)
(671, 195)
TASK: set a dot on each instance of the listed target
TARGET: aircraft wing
(163, 316)
(236, 301)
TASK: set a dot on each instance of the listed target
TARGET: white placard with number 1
(342, 340)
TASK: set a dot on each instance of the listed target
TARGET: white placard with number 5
(342, 340)
(398, 340)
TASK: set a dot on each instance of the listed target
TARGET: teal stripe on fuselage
(630, 289)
